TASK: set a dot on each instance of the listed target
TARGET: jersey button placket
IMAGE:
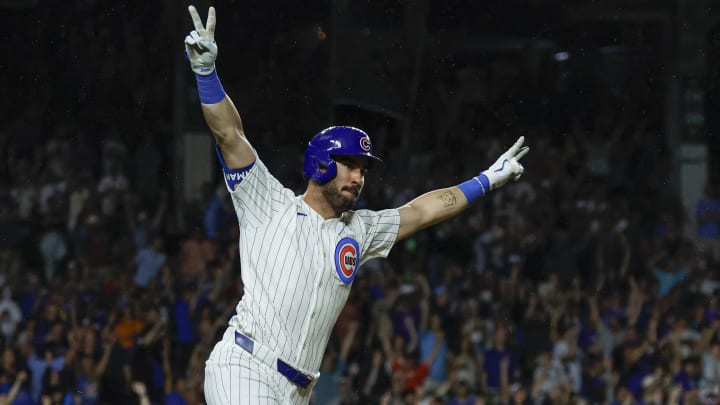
(313, 305)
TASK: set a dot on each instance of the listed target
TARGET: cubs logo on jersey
(347, 258)
(365, 143)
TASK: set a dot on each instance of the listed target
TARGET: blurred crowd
(574, 285)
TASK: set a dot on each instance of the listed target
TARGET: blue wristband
(475, 188)
(209, 88)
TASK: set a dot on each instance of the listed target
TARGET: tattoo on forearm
(448, 198)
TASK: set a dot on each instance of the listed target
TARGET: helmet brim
(372, 159)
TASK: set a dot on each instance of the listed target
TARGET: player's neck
(314, 198)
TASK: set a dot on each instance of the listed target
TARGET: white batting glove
(200, 45)
(507, 166)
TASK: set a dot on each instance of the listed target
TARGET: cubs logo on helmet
(365, 143)
(347, 259)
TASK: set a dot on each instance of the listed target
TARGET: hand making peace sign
(200, 45)
(507, 167)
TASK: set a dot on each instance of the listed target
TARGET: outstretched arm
(438, 205)
(429, 209)
(220, 113)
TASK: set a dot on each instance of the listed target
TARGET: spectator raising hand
(9, 397)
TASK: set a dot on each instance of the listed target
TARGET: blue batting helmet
(334, 141)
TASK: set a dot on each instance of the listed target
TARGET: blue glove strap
(209, 88)
(475, 187)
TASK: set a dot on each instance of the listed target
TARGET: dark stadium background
(106, 165)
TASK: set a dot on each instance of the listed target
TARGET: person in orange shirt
(413, 373)
(127, 328)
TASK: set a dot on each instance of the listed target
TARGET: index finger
(196, 19)
(210, 25)
(522, 152)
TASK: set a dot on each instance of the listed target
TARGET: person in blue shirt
(15, 393)
(491, 376)
(689, 376)
(438, 368)
(149, 261)
(52, 360)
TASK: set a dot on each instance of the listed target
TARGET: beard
(337, 200)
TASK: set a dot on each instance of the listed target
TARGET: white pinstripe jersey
(297, 268)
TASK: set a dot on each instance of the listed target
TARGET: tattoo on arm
(447, 198)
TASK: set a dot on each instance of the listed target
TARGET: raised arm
(347, 342)
(15, 388)
(109, 339)
(73, 347)
(438, 205)
(220, 113)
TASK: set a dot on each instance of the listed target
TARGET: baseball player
(300, 254)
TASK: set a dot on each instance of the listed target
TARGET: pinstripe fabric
(293, 293)
(234, 377)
